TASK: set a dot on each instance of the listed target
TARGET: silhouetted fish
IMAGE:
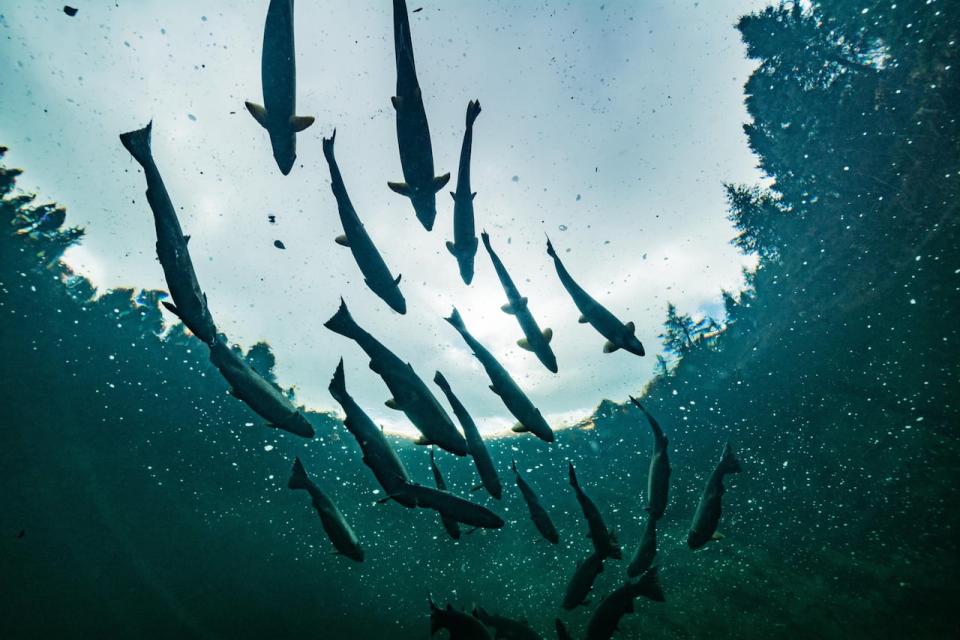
(464, 245)
(620, 602)
(541, 519)
(604, 540)
(705, 520)
(339, 532)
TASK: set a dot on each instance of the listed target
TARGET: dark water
(136, 503)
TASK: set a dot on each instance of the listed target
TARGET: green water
(137, 503)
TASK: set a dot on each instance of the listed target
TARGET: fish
(503, 385)
(189, 301)
(265, 398)
(604, 540)
(619, 602)
(534, 339)
(413, 132)
(410, 393)
(336, 526)
(375, 272)
(505, 628)
(562, 632)
(541, 519)
(449, 505)
(453, 529)
(618, 334)
(377, 452)
(462, 626)
(475, 445)
(464, 245)
(646, 551)
(658, 477)
(707, 517)
(582, 581)
(278, 74)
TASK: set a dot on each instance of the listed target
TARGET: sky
(609, 126)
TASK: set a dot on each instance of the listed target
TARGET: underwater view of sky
(611, 127)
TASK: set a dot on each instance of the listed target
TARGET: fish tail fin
(435, 624)
(473, 110)
(328, 145)
(138, 143)
(550, 250)
(298, 476)
(486, 239)
(728, 461)
(338, 384)
(441, 382)
(649, 585)
(342, 322)
(456, 320)
(573, 477)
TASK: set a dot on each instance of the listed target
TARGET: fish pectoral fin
(400, 187)
(632, 328)
(494, 389)
(523, 343)
(453, 195)
(473, 195)
(299, 123)
(548, 334)
(171, 308)
(395, 101)
(440, 182)
(186, 239)
(452, 248)
(422, 441)
(259, 113)
(508, 308)
(476, 487)
(342, 241)
(397, 279)
(519, 428)
(609, 347)
(392, 404)
(583, 319)
(717, 536)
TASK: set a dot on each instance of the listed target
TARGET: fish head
(284, 145)
(632, 344)
(550, 361)
(425, 204)
(466, 268)
(395, 300)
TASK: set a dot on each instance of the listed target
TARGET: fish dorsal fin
(440, 182)
(399, 187)
(392, 404)
(583, 319)
(609, 347)
(451, 248)
(342, 241)
(508, 308)
(299, 123)
(259, 113)
(631, 327)
(523, 343)
(395, 101)
(186, 239)
(170, 307)
(548, 334)
(494, 389)
(519, 428)
(397, 279)
(717, 536)
(473, 195)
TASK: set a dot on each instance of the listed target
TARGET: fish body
(460, 625)
(582, 581)
(535, 339)
(604, 540)
(335, 525)
(377, 452)
(503, 385)
(410, 393)
(618, 334)
(451, 526)
(658, 476)
(375, 272)
(413, 132)
(264, 398)
(278, 74)
(464, 245)
(707, 517)
(646, 551)
(541, 519)
(475, 445)
(189, 301)
(620, 602)
(505, 628)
